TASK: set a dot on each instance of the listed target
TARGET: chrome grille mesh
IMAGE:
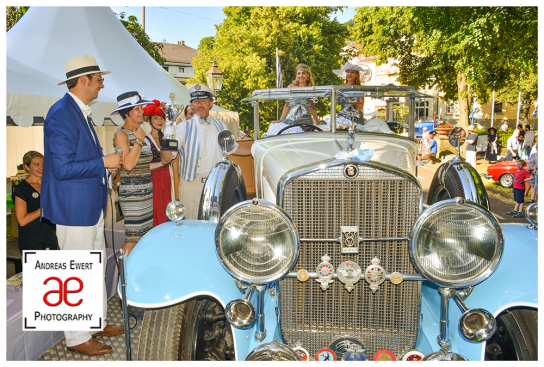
(382, 205)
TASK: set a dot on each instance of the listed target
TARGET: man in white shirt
(512, 144)
(528, 142)
(199, 149)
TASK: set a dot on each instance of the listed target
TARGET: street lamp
(214, 77)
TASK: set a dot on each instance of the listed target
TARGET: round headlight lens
(456, 243)
(531, 213)
(256, 241)
(175, 211)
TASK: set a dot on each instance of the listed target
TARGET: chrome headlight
(531, 213)
(273, 351)
(175, 211)
(256, 241)
(456, 243)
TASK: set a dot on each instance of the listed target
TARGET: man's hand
(112, 161)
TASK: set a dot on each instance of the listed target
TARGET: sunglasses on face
(100, 79)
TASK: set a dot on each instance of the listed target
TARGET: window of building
(173, 69)
(422, 110)
(165, 68)
(498, 108)
(451, 108)
(384, 80)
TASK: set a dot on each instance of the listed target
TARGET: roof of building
(178, 52)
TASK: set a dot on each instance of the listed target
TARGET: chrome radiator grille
(382, 205)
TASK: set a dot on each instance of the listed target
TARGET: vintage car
(337, 257)
(503, 172)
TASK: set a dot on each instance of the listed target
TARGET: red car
(503, 172)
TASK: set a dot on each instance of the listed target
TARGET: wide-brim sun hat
(347, 66)
(200, 91)
(491, 128)
(81, 65)
(471, 128)
(127, 100)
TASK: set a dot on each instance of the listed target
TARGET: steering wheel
(300, 124)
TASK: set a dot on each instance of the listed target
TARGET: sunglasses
(100, 79)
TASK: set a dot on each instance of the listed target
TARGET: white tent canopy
(45, 38)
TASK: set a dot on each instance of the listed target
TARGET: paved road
(499, 202)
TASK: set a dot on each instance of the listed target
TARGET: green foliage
(402, 112)
(13, 14)
(502, 137)
(245, 51)
(206, 44)
(481, 132)
(450, 47)
(135, 29)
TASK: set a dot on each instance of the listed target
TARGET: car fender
(513, 284)
(174, 263)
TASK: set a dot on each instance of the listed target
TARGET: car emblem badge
(198, 87)
(302, 353)
(325, 271)
(375, 275)
(354, 357)
(396, 278)
(413, 355)
(349, 239)
(384, 355)
(349, 273)
(351, 171)
(302, 275)
(325, 354)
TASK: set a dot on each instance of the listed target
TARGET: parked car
(396, 126)
(503, 172)
(335, 258)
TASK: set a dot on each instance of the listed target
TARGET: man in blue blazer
(74, 185)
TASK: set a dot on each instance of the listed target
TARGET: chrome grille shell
(384, 202)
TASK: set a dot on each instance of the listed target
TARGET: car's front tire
(194, 330)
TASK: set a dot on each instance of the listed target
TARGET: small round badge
(396, 278)
(302, 275)
(413, 355)
(197, 87)
(325, 354)
(302, 353)
(354, 357)
(351, 171)
(384, 355)
(35, 195)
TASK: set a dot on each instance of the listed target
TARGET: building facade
(179, 60)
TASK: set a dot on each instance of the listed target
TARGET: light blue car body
(172, 264)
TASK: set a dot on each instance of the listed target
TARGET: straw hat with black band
(81, 65)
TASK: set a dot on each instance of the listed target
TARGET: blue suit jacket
(72, 192)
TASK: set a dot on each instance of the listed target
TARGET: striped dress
(136, 193)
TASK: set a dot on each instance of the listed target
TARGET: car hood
(274, 156)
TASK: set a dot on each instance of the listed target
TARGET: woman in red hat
(162, 194)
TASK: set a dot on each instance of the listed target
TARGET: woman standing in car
(300, 110)
(351, 108)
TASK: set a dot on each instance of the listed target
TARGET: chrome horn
(240, 312)
(476, 325)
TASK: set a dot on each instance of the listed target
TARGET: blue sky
(188, 23)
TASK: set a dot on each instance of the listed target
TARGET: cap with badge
(200, 91)
(81, 65)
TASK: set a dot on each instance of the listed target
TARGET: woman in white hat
(351, 109)
(136, 188)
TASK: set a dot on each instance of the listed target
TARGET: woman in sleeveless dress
(136, 188)
(491, 150)
(162, 184)
(300, 110)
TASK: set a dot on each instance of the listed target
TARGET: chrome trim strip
(360, 239)
(407, 277)
(328, 163)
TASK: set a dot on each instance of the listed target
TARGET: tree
(13, 14)
(452, 48)
(135, 29)
(245, 51)
(206, 43)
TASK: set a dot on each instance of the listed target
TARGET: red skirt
(162, 195)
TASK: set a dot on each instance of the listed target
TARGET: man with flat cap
(199, 149)
(74, 185)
